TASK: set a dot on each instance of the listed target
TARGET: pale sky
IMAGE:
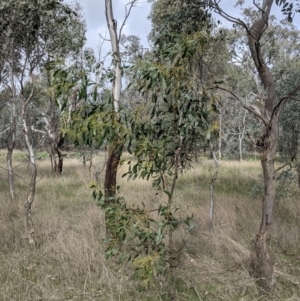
(138, 22)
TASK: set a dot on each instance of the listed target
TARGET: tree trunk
(116, 146)
(220, 138)
(12, 139)
(196, 154)
(31, 192)
(59, 165)
(110, 183)
(241, 136)
(262, 263)
(10, 149)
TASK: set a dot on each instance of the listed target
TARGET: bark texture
(112, 163)
(263, 266)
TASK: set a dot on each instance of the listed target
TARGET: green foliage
(133, 235)
(289, 8)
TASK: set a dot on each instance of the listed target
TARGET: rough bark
(110, 182)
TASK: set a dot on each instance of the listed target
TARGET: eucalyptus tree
(116, 144)
(28, 30)
(165, 129)
(256, 30)
(68, 46)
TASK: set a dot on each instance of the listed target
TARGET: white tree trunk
(114, 39)
(32, 182)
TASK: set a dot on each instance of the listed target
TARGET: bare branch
(283, 166)
(282, 101)
(127, 13)
(251, 109)
(214, 4)
(103, 38)
(37, 131)
(14, 174)
(1, 133)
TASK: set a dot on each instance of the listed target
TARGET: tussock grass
(69, 262)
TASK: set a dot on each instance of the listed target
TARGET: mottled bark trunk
(262, 263)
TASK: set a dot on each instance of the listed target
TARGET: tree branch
(283, 166)
(252, 109)
(127, 13)
(282, 101)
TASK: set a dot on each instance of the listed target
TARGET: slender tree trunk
(12, 139)
(261, 260)
(220, 138)
(32, 182)
(241, 136)
(212, 186)
(116, 146)
(10, 149)
(196, 154)
(58, 143)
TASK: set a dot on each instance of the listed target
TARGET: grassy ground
(69, 262)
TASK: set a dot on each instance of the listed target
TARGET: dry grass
(69, 263)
